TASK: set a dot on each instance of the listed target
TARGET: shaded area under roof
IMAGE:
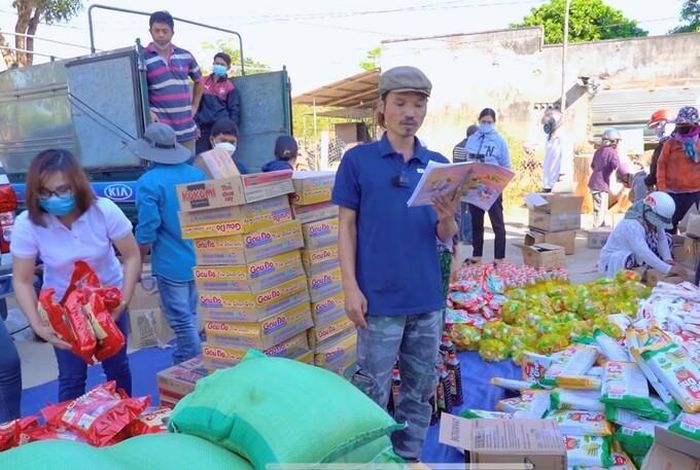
(358, 91)
(347, 113)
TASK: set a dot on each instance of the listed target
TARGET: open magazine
(480, 183)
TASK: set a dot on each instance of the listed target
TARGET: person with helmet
(605, 161)
(658, 122)
(558, 154)
(640, 238)
(678, 170)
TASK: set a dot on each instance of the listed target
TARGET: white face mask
(228, 146)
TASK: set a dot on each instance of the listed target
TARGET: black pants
(203, 143)
(498, 225)
(683, 201)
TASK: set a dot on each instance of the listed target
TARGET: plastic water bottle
(454, 369)
(446, 347)
(444, 396)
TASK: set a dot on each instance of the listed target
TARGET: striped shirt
(168, 89)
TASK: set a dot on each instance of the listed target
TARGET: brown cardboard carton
(672, 452)
(653, 277)
(691, 250)
(218, 357)
(597, 237)
(234, 191)
(147, 325)
(326, 310)
(320, 259)
(312, 187)
(532, 442)
(320, 233)
(338, 352)
(566, 239)
(325, 284)
(322, 335)
(314, 212)
(216, 164)
(553, 222)
(693, 228)
(179, 380)
(555, 203)
(544, 255)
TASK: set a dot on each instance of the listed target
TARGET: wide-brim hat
(159, 144)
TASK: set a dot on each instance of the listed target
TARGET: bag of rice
(561, 399)
(576, 360)
(610, 348)
(588, 451)
(581, 423)
(619, 416)
(672, 364)
(657, 412)
(687, 425)
(656, 384)
(624, 386)
(531, 404)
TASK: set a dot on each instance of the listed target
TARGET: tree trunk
(24, 13)
(31, 31)
(7, 54)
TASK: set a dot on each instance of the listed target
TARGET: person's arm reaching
(355, 300)
(638, 245)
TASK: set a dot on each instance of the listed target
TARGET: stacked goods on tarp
(544, 317)
(252, 290)
(83, 317)
(554, 219)
(332, 337)
(177, 381)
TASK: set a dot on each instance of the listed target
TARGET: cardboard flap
(534, 200)
(543, 247)
(677, 442)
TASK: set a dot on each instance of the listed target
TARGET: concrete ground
(39, 364)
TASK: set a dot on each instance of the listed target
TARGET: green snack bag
(687, 425)
(625, 386)
(483, 414)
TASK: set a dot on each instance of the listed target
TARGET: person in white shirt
(65, 222)
(558, 153)
(640, 239)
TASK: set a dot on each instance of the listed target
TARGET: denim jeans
(179, 303)
(10, 377)
(72, 370)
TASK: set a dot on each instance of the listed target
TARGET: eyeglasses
(62, 191)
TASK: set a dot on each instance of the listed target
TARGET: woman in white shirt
(640, 238)
(65, 222)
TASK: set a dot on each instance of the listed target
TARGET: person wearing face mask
(221, 99)
(487, 146)
(678, 171)
(605, 162)
(168, 70)
(224, 135)
(286, 151)
(659, 124)
(158, 231)
(65, 222)
(558, 153)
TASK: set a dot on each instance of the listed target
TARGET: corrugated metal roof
(358, 91)
(634, 106)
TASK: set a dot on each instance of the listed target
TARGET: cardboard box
(249, 307)
(326, 310)
(249, 278)
(218, 357)
(325, 284)
(312, 187)
(179, 380)
(147, 325)
(337, 352)
(653, 277)
(544, 255)
(672, 451)
(320, 233)
(234, 191)
(236, 219)
(691, 250)
(263, 334)
(307, 358)
(555, 203)
(321, 335)
(244, 249)
(314, 212)
(597, 237)
(693, 228)
(533, 442)
(554, 222)
(320, 259)
(566, 239)
(216, 164)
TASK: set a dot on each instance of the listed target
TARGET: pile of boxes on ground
(267, 273)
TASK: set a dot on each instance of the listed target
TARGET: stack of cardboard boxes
(554, 218)
(177, 381)
(332, 337)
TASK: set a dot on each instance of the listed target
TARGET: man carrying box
(389, 259)
(158, 231)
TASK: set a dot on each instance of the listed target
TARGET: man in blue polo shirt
(158, 231)
(168, 69)
(389, 258)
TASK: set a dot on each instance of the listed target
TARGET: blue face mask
(58, 206)
(485, 127)
(219, 70)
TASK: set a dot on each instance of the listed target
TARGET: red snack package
(101, 414)
(55, 315)
(45, 433)
(110, 339)
(150, 422)
(85, 341)
(111, 296)
(83, 277)
(10, 431)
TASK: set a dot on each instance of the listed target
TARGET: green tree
(589, 20)
(690, 14)
(30, 13)
(371, 61)
(230, 47)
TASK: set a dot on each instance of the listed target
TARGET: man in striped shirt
(168, 68)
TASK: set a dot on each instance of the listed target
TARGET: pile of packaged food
(544, 316)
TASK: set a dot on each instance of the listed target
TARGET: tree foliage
(230, 47)
(589, 20)
(690, 15)
(371, 61)
(31, 13)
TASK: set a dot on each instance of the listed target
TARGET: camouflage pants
(415, 340)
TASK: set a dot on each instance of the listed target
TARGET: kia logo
(119, 192)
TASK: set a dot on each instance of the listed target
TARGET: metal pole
(315, 133)
(563, 58)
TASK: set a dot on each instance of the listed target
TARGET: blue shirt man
(158, 231)
(389, 258)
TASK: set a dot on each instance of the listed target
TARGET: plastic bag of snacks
(581, 423)
(619, 416)
(687, 425)
(10, 431)
(465, 337)
(562, 399)
(530, 404)
(110, 339)
(534, 366)
(150, 422)
(588, 451)
(483, 414)
(50, 433)
(578, 382)
(493, 350)
(575, 360)
(624, 386)
(672, 364)
(610, 348)
(509, 384)
(638, 436)
(620, 461)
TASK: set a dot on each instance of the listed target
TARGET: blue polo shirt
(158, 224)
(397, 260)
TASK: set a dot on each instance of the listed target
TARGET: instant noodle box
(337, 352)
(326, 310)
(179, 380)
(249, 278)
(217, 357)
(321, 335)
(234, 191)
(216, 164)
(264, 334)
(312, 187)
(324, 284)
(249, 307)
(320, 233)
(320, 259)
(314, 212)
(235, 220)
(248, 248)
